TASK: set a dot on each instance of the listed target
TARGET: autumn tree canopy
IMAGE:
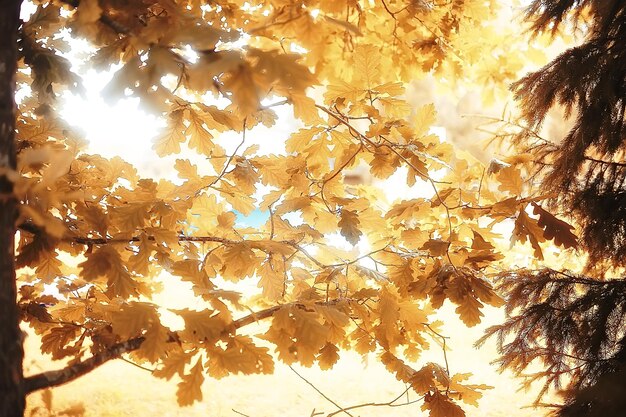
(95, 239)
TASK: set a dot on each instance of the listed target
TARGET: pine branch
(604, 162)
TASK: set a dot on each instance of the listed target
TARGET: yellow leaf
(155, 345)
(140, 261)
(106, 261)
(510, 180)
(201, 326)
(240, 201)
(343, 90)
(56, 341)
(190, 388)
(244, 89)
(48, 266)
(479, 242)
(436, 247)
(328, 356)
(367, 65)
(130, 216)
(205, 211)
(190, 270)
(88, 11)
(174, 363)
(424, 118)
(440, 405)
(309, 334)
(240, 356)
(305, 110)
(239, 262)
(392, 89)
(293, 204)
(199, 137)
(469, 311)
(272, 172)
(245, 176)
(423, 381)
(526, 228)
(301, 139)
(411, 314)
(349, 225)
(169, 142)
(401, 274)
(333, 316)
(272, 279)
(414, 238)
(74, 312)
(132, 319)
(384, 163)
(469, 394)
(389, 313)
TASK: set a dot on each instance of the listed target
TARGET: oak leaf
(190, 388)
(555, 229)
(56, 341)
(349, 224)
(440, 405)
(201, 326)
(169, 141)
(527, 229)
(172, 364)
(271, 279)
(468, 393)
(328, 356)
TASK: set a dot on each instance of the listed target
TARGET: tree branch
(36, 230)
(69, 373)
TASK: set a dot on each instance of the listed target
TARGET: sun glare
(121, 129)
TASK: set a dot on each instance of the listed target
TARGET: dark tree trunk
(12, 399)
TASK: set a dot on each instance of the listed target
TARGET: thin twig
(445, 354)
(341, 409)
(386, 404)
(136, 364)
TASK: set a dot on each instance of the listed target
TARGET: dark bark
(12, 397)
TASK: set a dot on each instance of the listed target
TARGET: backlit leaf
(555, 229)
(190, 388)
(349, 225)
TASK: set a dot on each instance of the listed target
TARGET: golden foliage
(343, 68)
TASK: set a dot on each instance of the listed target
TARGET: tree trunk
(12, 398)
